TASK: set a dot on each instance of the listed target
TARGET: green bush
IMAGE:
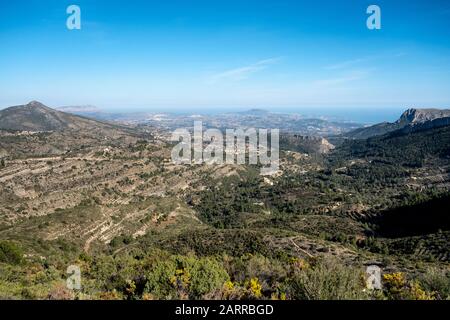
(185, 277)
(206, 274)
(10, 252)
(327, 280)
(269, 271)
(160, 280)
(437, 281)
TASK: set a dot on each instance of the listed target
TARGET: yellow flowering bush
(397, 287)
(394, 282)
(254, 287)
(278, 296)
(417, 293)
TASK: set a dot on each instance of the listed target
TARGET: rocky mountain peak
(412, 119)
(413, 116)
(35, 104)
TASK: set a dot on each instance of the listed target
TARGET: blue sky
(204, 55)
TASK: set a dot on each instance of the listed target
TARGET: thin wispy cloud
(358, 61)
(346, 78)
(245, 72)
(347, 63)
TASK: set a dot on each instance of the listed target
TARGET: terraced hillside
(141, 227)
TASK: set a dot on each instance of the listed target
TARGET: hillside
(400, 147)
(411, 120)
(141, 227)
(305, 144)
(35, 116)
(35, 130)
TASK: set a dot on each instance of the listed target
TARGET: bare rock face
(325, 146)
(411, 120)
(413, 116)
(306, 144)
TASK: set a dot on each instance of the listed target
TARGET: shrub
(160, 280)
(10, 253)
(206, 274)
(185, 277)
(438, 281)
(254, 287)
(60, 292)
(327, 280)
(397, 287)
(269, 272)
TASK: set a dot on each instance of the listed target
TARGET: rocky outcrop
(410, 121)
(305, 144)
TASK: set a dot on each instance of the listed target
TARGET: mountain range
(35, 116)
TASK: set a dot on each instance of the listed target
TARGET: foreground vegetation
(158, 274)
